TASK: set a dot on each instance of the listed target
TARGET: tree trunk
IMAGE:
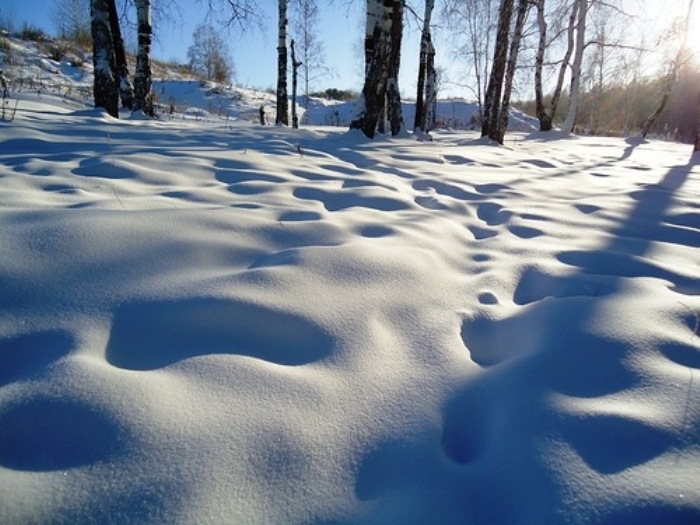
(142, 76)
(492, 100)
(649, 122)
(430, 90)
(540, 111)
(282, 108)
(393, 104)
(394, 109)
(371, 103)
(121, 68)
(582, 6)
(419, 122)
(374, 14)
(523, 6)
(104, 86)
(295, 71)
(556, 95)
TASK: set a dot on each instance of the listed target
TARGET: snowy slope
(29, 67)
(210, 321)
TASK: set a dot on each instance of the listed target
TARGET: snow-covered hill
(30, 68)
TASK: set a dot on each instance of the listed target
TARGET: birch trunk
(282, 117)
(544, 115)
(142, 76)
(295, 71)
(419, 121)
(540, 111)
(104, 85)
(121, 68)
(582, 6)
(393, 93)
(500, 132)
(556, 95)
(374, 13)
(492, 100)
(430, 90)
(373, 99)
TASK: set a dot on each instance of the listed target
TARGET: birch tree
(540, 111)
(371, 101)
(121, 68)
(372, 31)
(421, 121)
(431, 91)
(492, 99)
(576, 67)
(104, 84)
(282, 117)
(393, 95)
(383, 34)
(295, 72)
(142, 76)
(502, 123)
(497, 100)
(546, 115)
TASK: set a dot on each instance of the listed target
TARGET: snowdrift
(208, 321)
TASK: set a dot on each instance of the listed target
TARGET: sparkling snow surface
(218, 322)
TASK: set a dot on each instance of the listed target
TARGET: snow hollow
(203, 320)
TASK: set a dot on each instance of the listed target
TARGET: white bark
(374, 17)
(554, 104)
(370, 107)
(142, 75)
(105, 85)
(570, 121)
(542, 116)
(121, 68)
(523, 6)
(430, 90)
(492, 99)
(282, 104)
(423, 84)
(295, 72)
(394, 109)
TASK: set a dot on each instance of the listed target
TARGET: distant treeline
(336, 94)
(621, 110)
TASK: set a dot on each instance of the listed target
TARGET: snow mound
(212, 321)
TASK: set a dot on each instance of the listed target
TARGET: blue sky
(255, 54)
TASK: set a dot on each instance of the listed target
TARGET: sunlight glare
(692, 43)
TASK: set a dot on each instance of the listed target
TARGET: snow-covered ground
(203, 320)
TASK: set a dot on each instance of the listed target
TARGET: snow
(204, 320)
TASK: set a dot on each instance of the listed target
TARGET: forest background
(632, 51)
